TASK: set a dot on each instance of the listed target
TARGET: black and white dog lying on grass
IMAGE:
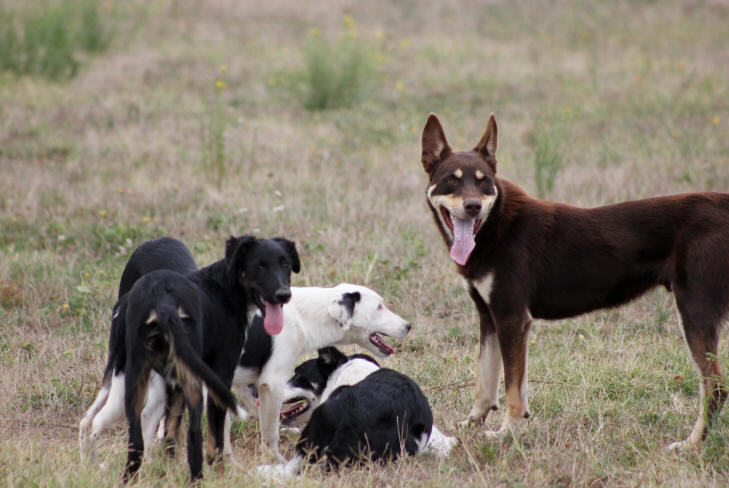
(355, 411)
(253, 277)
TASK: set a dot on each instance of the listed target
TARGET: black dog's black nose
(472, 206)
(283, 295)
(408, 326)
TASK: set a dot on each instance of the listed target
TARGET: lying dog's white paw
(291, 430)
(443, 448)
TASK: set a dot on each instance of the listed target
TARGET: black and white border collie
(355, 411)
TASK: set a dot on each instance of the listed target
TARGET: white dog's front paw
(270, 471)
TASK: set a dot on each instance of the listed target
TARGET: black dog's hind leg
(136, 383)
(216, 428)
(193, 398)
(173, 422)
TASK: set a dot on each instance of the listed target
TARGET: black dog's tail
(189, 367)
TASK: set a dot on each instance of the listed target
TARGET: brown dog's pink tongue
(273, 320)
(463, 242)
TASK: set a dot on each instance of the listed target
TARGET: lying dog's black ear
(434, 144)
(235, 250)
(331, 356)
(290, 247)
(342, 309)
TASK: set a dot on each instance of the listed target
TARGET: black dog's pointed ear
(235, 249)
(290, 247)
(434, 143)
(331, 356)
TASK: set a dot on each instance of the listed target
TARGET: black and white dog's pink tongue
(273, 320)
(463, 242)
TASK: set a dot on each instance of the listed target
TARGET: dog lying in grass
(354, 410)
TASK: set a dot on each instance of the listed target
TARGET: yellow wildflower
(405, 43)
(102, 213)
(220, 84)
(349, 22)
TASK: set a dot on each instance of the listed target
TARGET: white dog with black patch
(314, 318)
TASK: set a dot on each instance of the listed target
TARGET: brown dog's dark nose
(472, 206)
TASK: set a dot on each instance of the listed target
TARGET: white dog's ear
(342, 309)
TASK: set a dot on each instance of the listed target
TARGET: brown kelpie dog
(523, 258)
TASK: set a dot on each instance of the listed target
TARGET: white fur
(109, 406)
(310, 323)
(485, 286)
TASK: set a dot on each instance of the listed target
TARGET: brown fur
(540, 259)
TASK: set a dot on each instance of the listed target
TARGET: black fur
(376, 419)
(164, 333)
(349, 300)
(258, 346)
(162, 253)
(253, 271)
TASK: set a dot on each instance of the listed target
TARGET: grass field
(202, 119)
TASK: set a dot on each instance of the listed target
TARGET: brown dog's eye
(452, 180)
(486, 181)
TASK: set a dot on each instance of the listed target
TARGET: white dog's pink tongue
(273, 320)
(463, 242)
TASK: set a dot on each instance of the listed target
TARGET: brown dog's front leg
(513, 334)
(488, 371)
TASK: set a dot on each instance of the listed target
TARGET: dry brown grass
(93, 166)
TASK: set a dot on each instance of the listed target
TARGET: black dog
(253, 276)
(164, 333)
(364, 412)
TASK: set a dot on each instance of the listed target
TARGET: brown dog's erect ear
(487, 144)
(435, 146)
